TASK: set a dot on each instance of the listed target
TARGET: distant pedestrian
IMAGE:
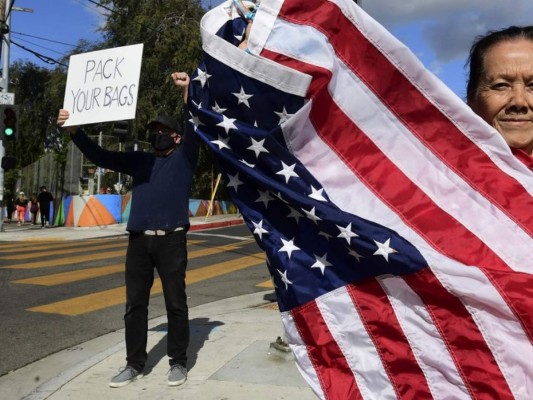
(21, 204)
(44, 199)
(10, 207)
(34, 208)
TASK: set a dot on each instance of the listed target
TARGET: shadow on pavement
(200, 329)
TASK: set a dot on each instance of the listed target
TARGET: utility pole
(5, 96)
(4, 82)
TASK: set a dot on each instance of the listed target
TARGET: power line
(42, 47)
(40, 56)
(41, 38)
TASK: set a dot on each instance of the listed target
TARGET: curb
(210, 225)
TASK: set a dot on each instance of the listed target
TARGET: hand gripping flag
(397, 225)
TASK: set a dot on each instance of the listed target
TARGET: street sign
(7, 98)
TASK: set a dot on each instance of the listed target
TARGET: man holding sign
(158, 223)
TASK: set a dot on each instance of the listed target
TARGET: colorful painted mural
(108, 209)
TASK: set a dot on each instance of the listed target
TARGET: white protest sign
(102, 85)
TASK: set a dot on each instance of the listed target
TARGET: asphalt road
(55, 295)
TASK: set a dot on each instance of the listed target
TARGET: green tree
(170, 32)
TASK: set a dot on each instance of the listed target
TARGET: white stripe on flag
(299, 350)
(346, 327)
(262, 69)
(424, 338)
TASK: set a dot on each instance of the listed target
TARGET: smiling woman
(500, 86)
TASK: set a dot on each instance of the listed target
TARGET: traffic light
(8, 122)
(122, 130)
(8, 163)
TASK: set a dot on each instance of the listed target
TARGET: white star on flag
(311, 215)
(227, 123)
(198, 105)
(195, 121)
(287, 171)
(247, 163)
(346, 232)
(242, 97)
(216, 108)
(203, 76)
(284, 279)
(384, 249)
(326, 235)
(288, 247)
(221, 143)
(283, 116)
(264, 197)
(355, 254)
(294, 214)
(259, 230)
(321, 262)
(257, 147)
(234, 181)
(317, 194)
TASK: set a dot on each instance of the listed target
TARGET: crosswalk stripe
(78, 245)
(266, 284)
(112, 297)
(63, 251)
(14, 247)
(94, 272)
(110, 254)
(72, 276)
(40, 254)
(67, 261)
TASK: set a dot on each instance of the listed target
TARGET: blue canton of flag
(312, 246)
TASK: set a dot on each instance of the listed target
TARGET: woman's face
(504, 97)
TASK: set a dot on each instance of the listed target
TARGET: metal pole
(98, 169)
(119, 174)
(5, 86)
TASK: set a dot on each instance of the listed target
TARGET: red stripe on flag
(392, 88)
(395, 352)
(470, 352)
(335, 376)
(390, 184)
(517, 290)
(416, 209)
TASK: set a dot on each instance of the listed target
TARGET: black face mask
(162, 141)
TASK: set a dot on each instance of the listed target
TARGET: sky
(438, 32)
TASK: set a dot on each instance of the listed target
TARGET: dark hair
(480, 47)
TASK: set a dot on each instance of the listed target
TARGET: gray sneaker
(177, 375)
(126, 375)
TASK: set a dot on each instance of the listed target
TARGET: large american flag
(397, 225)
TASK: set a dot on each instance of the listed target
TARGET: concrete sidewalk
(230, 357)
(232, 354)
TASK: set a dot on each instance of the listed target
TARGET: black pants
(169, 255)
(45, 216)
